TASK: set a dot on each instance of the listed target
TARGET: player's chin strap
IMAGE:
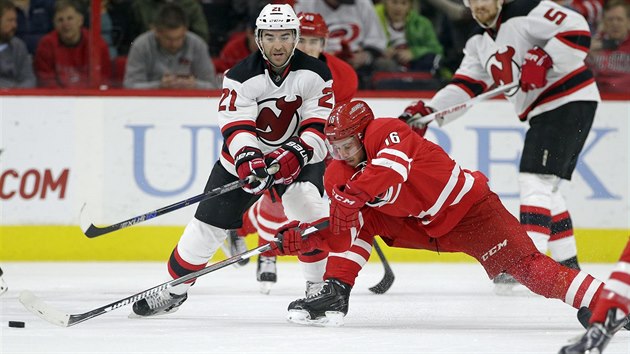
(451, 113)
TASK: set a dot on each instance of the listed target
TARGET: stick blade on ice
(44, 311)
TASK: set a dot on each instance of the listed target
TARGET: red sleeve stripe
(622, 277)
(580, 40)
(314, 131)
(569, 84)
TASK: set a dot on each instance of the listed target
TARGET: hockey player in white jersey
(272, 113)
(543, 45)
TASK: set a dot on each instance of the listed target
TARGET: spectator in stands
(237, 48)
(144, 12)
(106, 23)
(63, 55)
(610, 51)
(16, 69)
(356, 34)
(169, 56)
(35, 20)
(453, 24)
(411, 40)
(590, 9)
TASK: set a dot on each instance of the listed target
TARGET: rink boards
(125, 156)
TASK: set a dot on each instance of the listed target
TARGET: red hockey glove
(417, 110)
(290, 241)
(534, 69)
(249, 162)
(291, 157)
(345, 203)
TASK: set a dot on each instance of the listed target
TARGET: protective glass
(344, 149)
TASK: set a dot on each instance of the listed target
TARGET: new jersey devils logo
(503, 68)
(278, 120)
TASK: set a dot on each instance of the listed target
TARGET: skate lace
(159, 300)
(315, 289)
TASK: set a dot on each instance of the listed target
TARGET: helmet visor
(344, 149)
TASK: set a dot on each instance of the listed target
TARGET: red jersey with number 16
(409, 176)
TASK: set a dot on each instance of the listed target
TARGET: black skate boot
(159, 304)
(597, 335)
(266, 273)
(327, 307)
(584, 316)
(3, 285)
(571, 263)
(237, 246)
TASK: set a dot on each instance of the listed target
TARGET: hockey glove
(249, 162)
(290, 241)
(534, 69)
(291, 157)
(345, 204)
(417, 110)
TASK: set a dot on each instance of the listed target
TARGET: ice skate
(506, 285)
(266, 273)
(159, 304)
(327, 307)
(3, 285)
(584, 316)
(598, 335)
(236, 245)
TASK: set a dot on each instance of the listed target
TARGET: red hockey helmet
(312, 24)
(345, 129)
(348, 119)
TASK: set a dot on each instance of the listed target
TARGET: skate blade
(265, 287)
(302, 317)
(516, 290)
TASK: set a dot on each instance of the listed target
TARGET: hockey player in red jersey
(272, 113)
(543, 45)
(266, 216)
(609, 312)
(389, 181)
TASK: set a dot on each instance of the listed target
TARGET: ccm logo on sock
(494, 250)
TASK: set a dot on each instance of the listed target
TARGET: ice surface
(431, 308)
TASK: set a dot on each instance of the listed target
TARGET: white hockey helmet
(277, 17)
(499, 7)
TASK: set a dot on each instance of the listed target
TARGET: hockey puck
(16, 324)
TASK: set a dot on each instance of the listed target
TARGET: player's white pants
(302, 202)
(199, 242)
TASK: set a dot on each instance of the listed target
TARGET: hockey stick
(388, 278)
(451, 113)
(56, 317)
(92, 231)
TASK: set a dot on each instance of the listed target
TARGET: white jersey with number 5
(494, 57)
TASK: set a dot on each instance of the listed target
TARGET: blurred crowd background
(189, 44)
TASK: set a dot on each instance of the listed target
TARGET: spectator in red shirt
(610, 52)
(62, 56)
(237, 48)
